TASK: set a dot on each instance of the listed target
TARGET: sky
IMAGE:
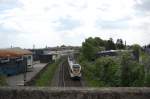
(24, 23)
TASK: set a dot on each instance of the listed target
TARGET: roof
(6, 53)
(113, 51)
(14, 52)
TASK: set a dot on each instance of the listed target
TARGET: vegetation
(92, 45)
(136, 51)
(110, 45)
(132, 73)
(129, 68)
(145, 59)
(119, 44)
(47, 76)
(3, 80)
(106, 71)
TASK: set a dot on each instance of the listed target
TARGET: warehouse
(45, 55)
(25, 53)
(36, 53)
(14, 61)
(45, 58)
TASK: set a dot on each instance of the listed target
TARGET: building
(45, 58)
(110, 52)
(14, 61)
(36, 53)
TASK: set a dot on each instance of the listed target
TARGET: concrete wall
(73, 93)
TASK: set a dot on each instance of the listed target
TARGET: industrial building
(111, 52)
(14, 61)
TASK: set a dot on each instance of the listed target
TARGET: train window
(76, 66)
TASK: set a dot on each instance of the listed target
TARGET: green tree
(91, 46)
(107, 71)
(110, 45)
(119, 44)
(146, 63)
(99, 42)
(136, 51)
(132, 73)
(89, 51)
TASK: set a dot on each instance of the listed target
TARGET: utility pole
(25, 72)
(125, 44)
(33, 46)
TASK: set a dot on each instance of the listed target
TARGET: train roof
(76, 66)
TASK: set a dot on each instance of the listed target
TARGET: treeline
(92, 45)
(126, 69)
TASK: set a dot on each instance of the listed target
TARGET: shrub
(107, 71)
(132, 73)
(3, 80)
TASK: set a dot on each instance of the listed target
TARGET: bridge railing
(74, 93)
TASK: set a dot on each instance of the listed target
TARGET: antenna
(33, 46)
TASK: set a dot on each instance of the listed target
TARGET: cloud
(66, 23)
(56, 22)
(143, 5)
(116, 24)
(8, 4)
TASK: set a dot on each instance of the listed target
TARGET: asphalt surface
(18, 80)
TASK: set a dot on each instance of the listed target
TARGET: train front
(76, 71)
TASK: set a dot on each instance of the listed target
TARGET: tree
(125, 71)
(91, 46)
(119, 44)
(148, 45)
(88, 49)
(110, 45)
(146, 63)
(132, 73)
(106, 69)
(136, 51)
(99, 42)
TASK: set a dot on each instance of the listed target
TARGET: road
(19, 79)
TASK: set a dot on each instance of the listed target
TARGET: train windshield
(76, 66)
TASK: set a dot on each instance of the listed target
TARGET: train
(74, 68)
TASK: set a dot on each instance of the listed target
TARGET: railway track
(64, 77)
(61, 82)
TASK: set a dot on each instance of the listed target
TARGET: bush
(136, 51)
(145, 60)
(132, 73)
(147, 80)
(115, 71)
(3, 80)
(107, 71)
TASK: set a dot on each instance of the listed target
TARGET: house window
(19, 59)
(4, 60)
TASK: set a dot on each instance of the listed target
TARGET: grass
(87, 74)
(47, 76)
(3, 80)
